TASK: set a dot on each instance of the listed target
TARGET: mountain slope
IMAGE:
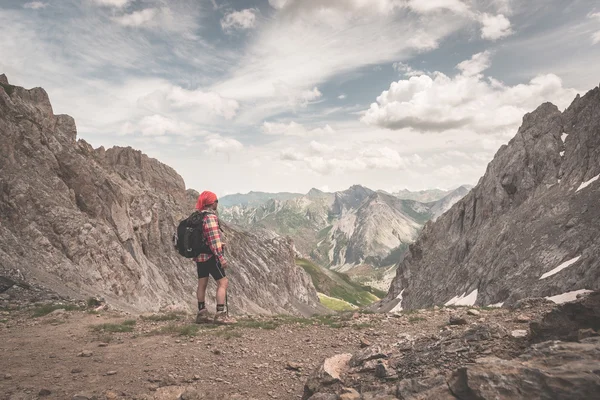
(530, 226)
(254, 199)
(95, 222)
(358, 230)
(338, 285)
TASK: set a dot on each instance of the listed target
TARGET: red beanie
(206, 198)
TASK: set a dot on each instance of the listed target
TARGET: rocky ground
(66, 350)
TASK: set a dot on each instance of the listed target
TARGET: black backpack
(189, 238)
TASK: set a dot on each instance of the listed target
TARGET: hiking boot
(203, 317)
(221, 318)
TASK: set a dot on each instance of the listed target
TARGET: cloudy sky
(285, 95)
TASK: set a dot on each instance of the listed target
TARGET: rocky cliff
(529, 228)
(95, 222)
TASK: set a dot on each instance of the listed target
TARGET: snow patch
(568, 296)
(564, 136)
(398, 307)
(588, 183)
(497, 305)
(461, 300)
(560, 267)
(562, 153)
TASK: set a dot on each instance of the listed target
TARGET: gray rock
(458, 320)
(329, 376)
(524, 218)
(549, 370)
(102, 221)
(368, 354)
(566, 320)
(349, 394)
(518, 333)
(383, 371)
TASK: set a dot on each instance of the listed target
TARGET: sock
(220, 307)
(201, 306)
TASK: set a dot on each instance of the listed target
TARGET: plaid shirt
(213, 238)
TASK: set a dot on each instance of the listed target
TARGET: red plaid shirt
(213, 238)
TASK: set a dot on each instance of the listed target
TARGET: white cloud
(112, 3)
(282, 69)
(467, 101)
(158, 125)
(429, 6)
(293, 129)
(309, 95)
(407, 70)
(476, 65)
(245, 19)
(495, 27)
(595, 35)
(35, 5)
(320, 148)
(342, 96)
(326, 159)
(168, 97)
(218, 144)
(137, 18)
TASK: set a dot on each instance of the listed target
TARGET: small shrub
(162, 317)
(228, 333)
(258, 324)
(414, 320)
(180, 330)
(92, 302)
(125, 326)
(46, 309)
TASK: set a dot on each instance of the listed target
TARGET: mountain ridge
(102, 221)
(526, 229)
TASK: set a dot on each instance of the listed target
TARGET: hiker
(213, 263)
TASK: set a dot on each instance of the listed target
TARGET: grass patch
(46, 309)
(334, 304)
(93, 302)
(258, 324)
(3, 321)
(162, 317)
(125, 326)
(328, 320)
(293, 320)
(339, 285)
(228, 333)
(414, 320)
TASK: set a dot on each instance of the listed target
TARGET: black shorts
(210, 267)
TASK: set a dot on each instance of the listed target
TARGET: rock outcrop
(483, 362)
(528, 229)
(95, 222)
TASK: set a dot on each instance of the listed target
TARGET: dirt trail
(66, 354)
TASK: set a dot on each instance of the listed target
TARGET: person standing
(213, 263)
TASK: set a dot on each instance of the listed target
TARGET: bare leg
(201, 291)
(221, 290)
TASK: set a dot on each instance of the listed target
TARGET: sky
(287, 95)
